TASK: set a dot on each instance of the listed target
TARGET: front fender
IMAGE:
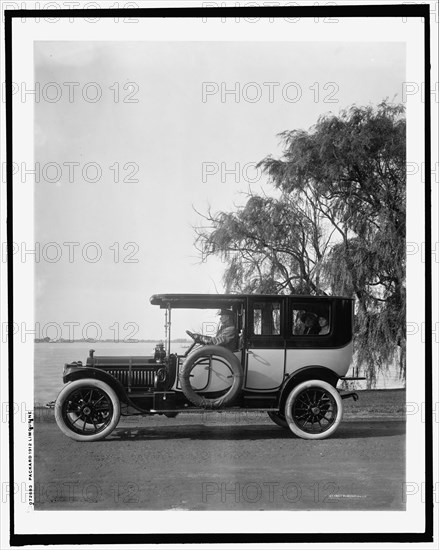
(72, 373)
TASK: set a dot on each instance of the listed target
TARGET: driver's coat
(225, 337)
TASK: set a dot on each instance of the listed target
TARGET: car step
(352, 394)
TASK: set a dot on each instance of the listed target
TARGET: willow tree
(270, 245)
(337, 225)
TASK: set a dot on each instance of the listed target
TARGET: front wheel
(313, 410)
(87, 410)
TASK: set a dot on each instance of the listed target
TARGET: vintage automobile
(290, 353)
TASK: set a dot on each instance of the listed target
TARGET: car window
(266, 318)
(311, 319)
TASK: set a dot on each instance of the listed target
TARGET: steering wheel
(195, 337)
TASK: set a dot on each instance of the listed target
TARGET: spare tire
(230, 394)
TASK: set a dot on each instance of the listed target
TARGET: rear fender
(76, 373)
(311, 372)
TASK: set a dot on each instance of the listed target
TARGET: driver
(226, 335)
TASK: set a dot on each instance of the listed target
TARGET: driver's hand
(205, 340)
(194, 335)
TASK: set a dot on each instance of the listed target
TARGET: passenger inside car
(324, 325)
(306, 323)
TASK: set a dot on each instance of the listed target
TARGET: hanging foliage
(332, 221)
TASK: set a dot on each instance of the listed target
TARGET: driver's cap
(225, 312)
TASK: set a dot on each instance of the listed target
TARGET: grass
(377, 403)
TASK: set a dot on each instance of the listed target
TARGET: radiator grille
(140, 378)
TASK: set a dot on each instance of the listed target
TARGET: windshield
(202, 321)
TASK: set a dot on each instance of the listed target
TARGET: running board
(261, 396)
(202, 411)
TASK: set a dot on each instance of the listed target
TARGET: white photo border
(150, 524)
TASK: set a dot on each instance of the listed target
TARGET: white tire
(87, 410)
(313, 410)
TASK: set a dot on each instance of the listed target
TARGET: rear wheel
(314, 410)
(87, 410)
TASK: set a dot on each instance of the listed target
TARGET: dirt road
(219, 462)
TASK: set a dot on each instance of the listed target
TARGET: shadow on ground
(349, 430)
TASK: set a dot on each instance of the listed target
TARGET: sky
(132, 137)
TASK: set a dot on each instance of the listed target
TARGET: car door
(265, 353)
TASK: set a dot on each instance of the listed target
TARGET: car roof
(198, 301)
(213, 301)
